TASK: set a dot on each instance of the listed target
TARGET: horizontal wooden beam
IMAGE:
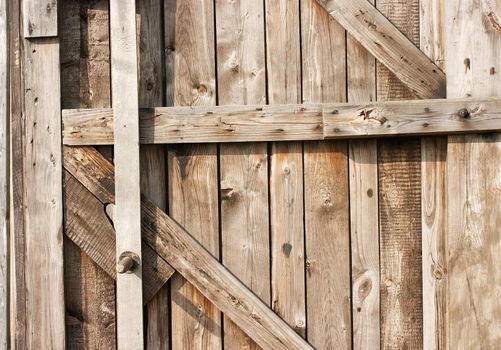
(390, 46)
(173, 243)
(290, 122)
(88, 226)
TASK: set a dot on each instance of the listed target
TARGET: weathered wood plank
(433, 191)
(400, 206)
(85, 82)
(153, 157)
(473, 61)
(192, 169)
(124, 76)
(364, 206)
(190, 259)
(326, 206)
(245, 233)
(290, 122)
(426, 117)
(40, 18)
(286, 167)
(88, 226)
(43, 259)
(4, 176)
(387, 43)
(200, 124)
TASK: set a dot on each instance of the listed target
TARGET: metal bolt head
(464, 113)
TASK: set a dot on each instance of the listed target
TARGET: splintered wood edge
(174, 125)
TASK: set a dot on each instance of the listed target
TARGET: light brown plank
(85, 82)
(387, 43)
(400, 206)
(190, 258)
(124, 75)
(325, 186)
(473, 61)
(4, 176)
(364, 221)
(90, 229)
(286, 167)
(153, 157)
(245, 236)
(200, 124)
(40, 18)
(433, 191)
(43, 259)
(398, 118)
(192, 169)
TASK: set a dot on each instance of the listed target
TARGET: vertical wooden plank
(364, 220)
(127, 216)
(325, 186)
(85, 82)
(286, 169)
(192, 169)
(473, 62)
(43, 255)
(433, 197)
(40, 18)
(245, 240)
(400, 206)
(4, 175)
(153, 157)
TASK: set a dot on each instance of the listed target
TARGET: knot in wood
(127, 262)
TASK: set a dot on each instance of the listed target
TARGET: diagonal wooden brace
(173, 243)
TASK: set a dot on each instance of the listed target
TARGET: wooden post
(124, 76)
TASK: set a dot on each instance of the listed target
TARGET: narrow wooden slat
(124, 74)
(190, 258)
(400, 118)
(85, 82)
(400, 206)
(153, 157)
(286, 167)
(364, 209)
(387, 43)
(473, 60)
(434, 191)
(201, 124)
(88, 226)
(40, 18)
(326, 207)
(43, 259)
(4, 176)
(245, 233)
(192, 169)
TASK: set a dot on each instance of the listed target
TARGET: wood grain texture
(90, 229)
(388, 44)
(400, 206)
(364, 206)
(200, 124)
(193, 261)
(282, 20)
(245, 233)
(40, 18)
(43, 255)
(4, 176)
(85, 82)
(127, 217)
(434, 191)
(153, 157)
(426, 117)
(192, 169)
(473, 60)
(325, 186)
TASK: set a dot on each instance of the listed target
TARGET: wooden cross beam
(289, 122)
(174, 244)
